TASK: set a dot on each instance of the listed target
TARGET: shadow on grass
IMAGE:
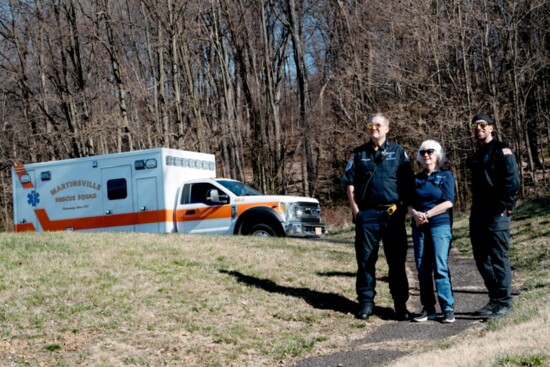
(348, 274)
(319, 300)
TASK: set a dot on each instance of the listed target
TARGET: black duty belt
(389, 208)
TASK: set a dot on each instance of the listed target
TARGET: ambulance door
(147, 202)
(118, 203)
(28, 199)
(199, 214)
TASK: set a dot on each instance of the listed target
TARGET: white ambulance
(156, 190)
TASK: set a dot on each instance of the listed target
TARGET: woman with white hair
(431, 230)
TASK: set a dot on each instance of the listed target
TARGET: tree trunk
(124, 136)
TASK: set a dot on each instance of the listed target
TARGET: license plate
(318, 230)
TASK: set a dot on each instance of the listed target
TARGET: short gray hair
(379, 114)
(438, 151)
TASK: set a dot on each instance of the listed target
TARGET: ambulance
(155, 190)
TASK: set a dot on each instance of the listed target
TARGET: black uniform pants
(371, 226)
(490, 244)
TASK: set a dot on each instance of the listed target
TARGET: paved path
(389, 341)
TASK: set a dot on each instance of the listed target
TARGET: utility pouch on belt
(391, 209)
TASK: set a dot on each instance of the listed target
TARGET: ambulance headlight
(303, 211)
(294, 211)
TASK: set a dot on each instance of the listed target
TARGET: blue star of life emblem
(33, 198)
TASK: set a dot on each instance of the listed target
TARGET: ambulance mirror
(214, 197)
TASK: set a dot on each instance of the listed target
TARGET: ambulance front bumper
(303, 229)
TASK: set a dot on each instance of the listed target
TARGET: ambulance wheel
(262, 230)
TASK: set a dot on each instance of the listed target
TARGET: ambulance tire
(262, 230)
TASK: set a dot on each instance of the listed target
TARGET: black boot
(365, 311)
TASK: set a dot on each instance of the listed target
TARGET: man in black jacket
(495, 184)
(380, 185)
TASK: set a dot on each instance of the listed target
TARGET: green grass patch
(294, 346)
(52, 347)
(522, 360)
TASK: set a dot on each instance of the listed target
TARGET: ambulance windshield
(238, 188)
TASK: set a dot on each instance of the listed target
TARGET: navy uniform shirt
(387, 171)
(432, 190)
(495, 179)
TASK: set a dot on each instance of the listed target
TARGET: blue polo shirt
(432, 190)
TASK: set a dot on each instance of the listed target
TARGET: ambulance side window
(199, 192)
(116, 189)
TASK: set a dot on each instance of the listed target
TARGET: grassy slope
(149, 300)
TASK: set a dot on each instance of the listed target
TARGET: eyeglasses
(482, 124)
(429, 151)
(372, 126)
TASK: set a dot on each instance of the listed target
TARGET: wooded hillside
(279, 90)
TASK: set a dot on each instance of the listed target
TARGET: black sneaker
(365, 311)
(448, 317)
(425, 315)
(488, 309)
(500, 311)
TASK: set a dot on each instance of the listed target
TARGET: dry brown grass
(149, 300)
(101, 299)
(489, 348)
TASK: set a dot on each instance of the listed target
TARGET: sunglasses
(429, 151)
(482, 124)
(371, 126)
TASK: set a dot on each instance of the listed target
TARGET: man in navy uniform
(380, 184)
(495, 184)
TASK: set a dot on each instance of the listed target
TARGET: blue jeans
(431, 251)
